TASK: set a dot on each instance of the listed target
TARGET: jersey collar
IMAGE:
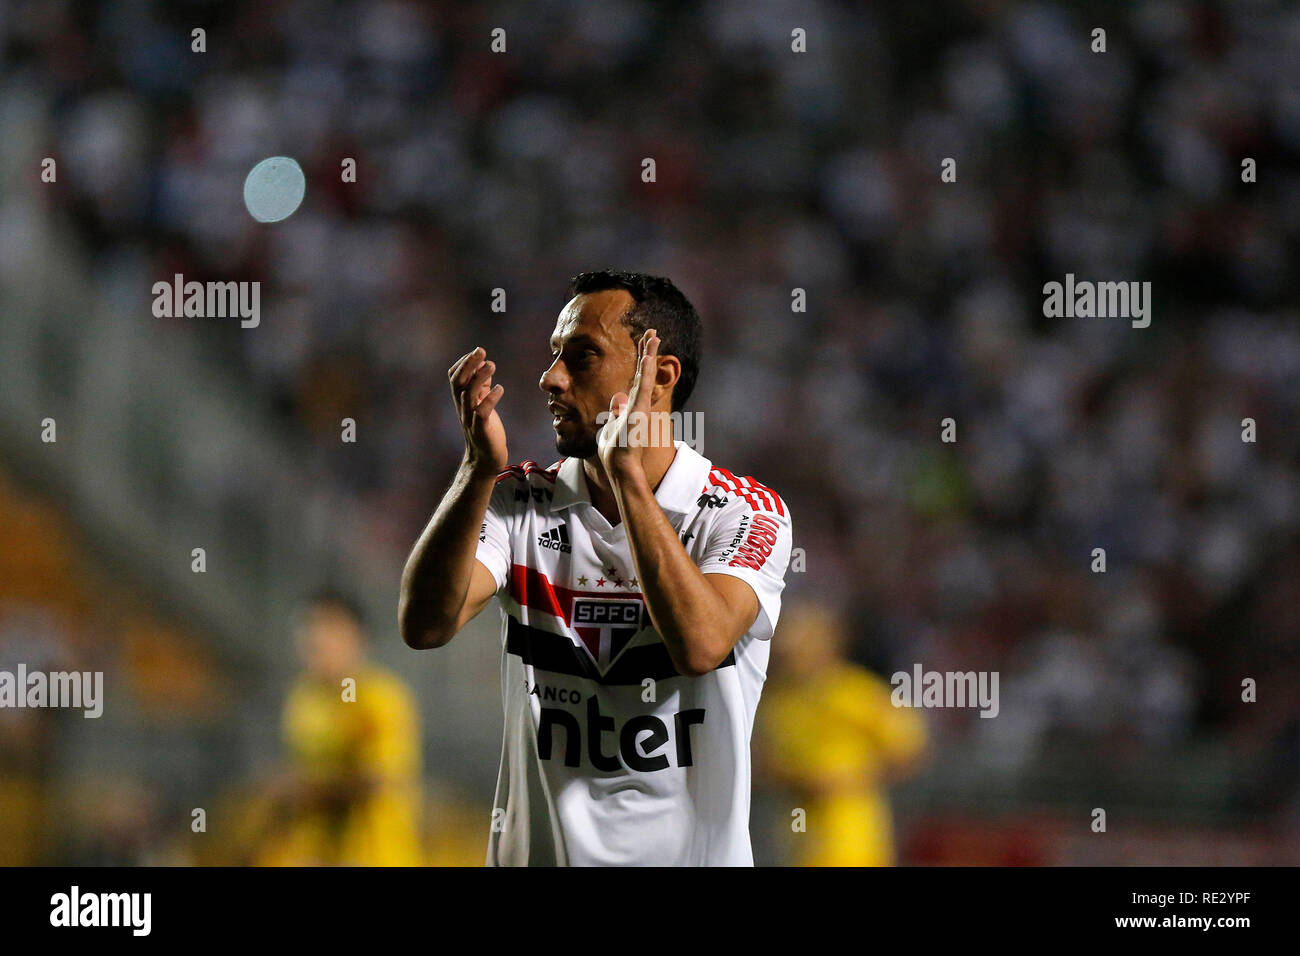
(678, 491)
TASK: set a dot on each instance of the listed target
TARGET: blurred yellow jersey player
(352, 794)
(832, 737)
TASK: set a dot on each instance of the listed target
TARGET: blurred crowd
(778, 170)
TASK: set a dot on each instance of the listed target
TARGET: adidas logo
(710, 501)
(557, 539)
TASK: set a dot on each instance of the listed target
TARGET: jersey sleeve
(752, 543)
(494, 536)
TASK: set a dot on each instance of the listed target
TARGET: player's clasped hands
(476, 401)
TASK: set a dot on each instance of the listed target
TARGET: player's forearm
(685, 610)
(437, 574)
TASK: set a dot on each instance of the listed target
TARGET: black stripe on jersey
(557, 654)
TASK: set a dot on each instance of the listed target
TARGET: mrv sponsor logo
(57, 689)
(923, 688)
(74, 908)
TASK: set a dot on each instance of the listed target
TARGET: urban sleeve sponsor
(758, 544)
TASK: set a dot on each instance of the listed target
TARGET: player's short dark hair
(338, 600)
(661, 306)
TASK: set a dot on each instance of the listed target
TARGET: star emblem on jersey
(604, 626)
(582, 580)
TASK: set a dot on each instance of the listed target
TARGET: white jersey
(610, 756)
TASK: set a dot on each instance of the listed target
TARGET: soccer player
(352, 796)
(832, 736)
(639, 585)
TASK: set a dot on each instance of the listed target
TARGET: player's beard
(579, 443)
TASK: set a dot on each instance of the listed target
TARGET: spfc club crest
(605, 625)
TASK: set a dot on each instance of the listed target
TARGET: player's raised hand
(476, 402)
(643, 384)
(631, 428)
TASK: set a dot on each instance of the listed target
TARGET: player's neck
(656, 462)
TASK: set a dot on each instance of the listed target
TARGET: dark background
(775, 170)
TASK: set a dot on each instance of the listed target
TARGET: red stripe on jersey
(754, 489)
(759, 496)
(764, 492)
(717, 479)
(772, 500)
(532, 588)
(727, 481)
(529, 467)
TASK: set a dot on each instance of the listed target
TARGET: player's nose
(555, 379)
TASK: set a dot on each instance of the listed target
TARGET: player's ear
(667, 373)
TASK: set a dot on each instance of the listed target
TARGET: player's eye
(577, 358)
